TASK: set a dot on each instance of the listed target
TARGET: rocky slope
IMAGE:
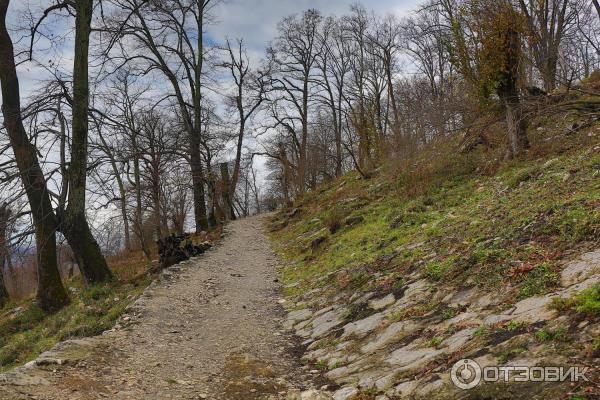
(392, 280)
(403, 345)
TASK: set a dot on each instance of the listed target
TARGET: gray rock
(486, 301)
(386, 382)
(300, 315)
(406, 389)
(580, 269)
(462, 298)
(308, 395)
(391, 334)
(344, 372)
(349, 221)
(345, 393)
(534, 309)
(496, 318)
(364, 326)
(379, 304)
(20, 377)
(409, 357)
(458, 340)
(414, 292)
(326, 322)
(429, 388)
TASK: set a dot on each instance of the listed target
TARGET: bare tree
(385, 39)
(168, 37)
(293, 57)
(51, 294)
(71, 212)
(333, 63)
(548, 22)
(249, 95)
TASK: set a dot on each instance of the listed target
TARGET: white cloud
(256, 20)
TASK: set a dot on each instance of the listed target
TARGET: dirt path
(209, 331)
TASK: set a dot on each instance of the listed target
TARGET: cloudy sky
(253, 20)
(256, 20)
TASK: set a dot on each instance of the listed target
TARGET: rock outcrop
(407, 348)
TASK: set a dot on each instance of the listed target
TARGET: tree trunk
(3, 292)
(122, 193)
(549, 71)
(51, 294)
(338, 140)
(303, 140)
(196, 132)
(392, 95)
(285, 179)
(157, 210)
(139, 212)
(597, 6)
(508, 92)
(238, 153)
(74, 224)
(198, 183)
(516, 125)
(227, 192)
(123, 208)
(4, 253)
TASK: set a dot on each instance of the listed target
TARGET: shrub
(334, 220)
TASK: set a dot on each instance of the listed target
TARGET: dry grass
(130, 265)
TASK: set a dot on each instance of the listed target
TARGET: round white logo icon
(466, 374)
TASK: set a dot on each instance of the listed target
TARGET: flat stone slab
(20, 377)
(379, 304)
(391, 334)
(580, 269)
(408, 357)
(325, 323)
(364, 326)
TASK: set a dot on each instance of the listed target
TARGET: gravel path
(210, 331)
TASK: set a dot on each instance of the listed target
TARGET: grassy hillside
(455, 217)
(466, 223)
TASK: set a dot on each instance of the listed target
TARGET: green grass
(321, 365)
(547, 335)
(482, 331)
(93, 310)
(511, 226)
(539, 281)
(515, 326)
(587, 302)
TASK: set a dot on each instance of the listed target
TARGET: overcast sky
(256, 20)
(253, 20)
